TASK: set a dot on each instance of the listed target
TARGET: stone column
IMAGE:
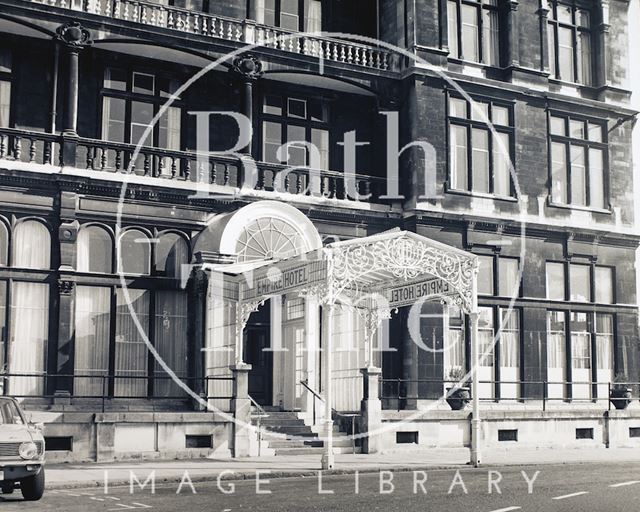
(328, 461)
(513, 51)
(74, 38)
(371, 410)
(544, 37)
(66, 329)
(241, 407)
(475, 415)
(601, 72)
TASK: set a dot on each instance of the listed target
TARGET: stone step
(294, 443)
(284, 423)
(299, 451)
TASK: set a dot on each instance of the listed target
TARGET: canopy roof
(391, 269)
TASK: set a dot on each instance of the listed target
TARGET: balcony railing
(395, 393)
(172, 166)
(229, 29)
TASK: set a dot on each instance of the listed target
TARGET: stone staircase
(301, 439)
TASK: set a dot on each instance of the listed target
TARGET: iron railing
(103, 390)
(394, 393)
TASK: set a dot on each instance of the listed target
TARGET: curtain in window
(469, 15)
(508, 276)
(604, 285)
(134, 252)
(313, 15)
(604, 341)
(171, 253)
(485, 336)
(169, 127)
(556, 340)
(480, 162)
(31, 245)
(596, 178)
(491, 37)
(5, 103)
(4, 245)
(93, 308)
(580, 341)
(501, 165)
(94, 250)
(510, 339)
(131, 350)
(452, 28)
(29, 337)
(458, 145)
(170, 328)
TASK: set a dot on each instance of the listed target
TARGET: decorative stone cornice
(248, 66)
(74, 35)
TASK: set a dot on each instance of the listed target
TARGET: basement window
(584, 433)
(508, 435)
(406, 437)
(634, 431)
(199, 441)
(58, 444)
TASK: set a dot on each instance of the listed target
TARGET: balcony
(243, 32)
(32, 151)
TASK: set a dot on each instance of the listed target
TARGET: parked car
(21, 452)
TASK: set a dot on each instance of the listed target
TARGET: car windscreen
(9, 413)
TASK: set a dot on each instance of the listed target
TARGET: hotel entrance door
(256, 339)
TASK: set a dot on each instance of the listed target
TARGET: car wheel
(33, 487)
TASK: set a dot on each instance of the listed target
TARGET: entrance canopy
(380, 272)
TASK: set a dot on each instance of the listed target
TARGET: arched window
(171, 253)
(269, 238)
(32, 245)
(94, 250)
(4, 244)
(134, 252)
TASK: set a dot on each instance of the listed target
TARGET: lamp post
(475, 361)
(328, 458)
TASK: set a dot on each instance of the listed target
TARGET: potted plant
(458, 394)
(620, 394)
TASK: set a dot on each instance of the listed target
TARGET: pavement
(71, 475)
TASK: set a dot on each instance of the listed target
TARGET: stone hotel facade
(95, 236)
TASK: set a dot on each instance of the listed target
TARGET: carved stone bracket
(248, 66)
(74, 35)
(66, 287)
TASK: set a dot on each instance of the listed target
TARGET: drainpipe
(54, 87)
(475, 362)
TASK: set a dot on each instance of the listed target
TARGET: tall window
(510, 338)
(578, 158)
(473, 29)
(134, 252)
(485, 335)
(580, 278)
(92, 334)
(95, 250)
(556, 339)
(507, 273)
(479, 159)
(130, 102)
(171, 253)
(296, 15)
(5, 87)
(29, 337)
(291, 120)
(570, 42)
(4, 244)
(580, 341)
(31, 245)
(604, 341)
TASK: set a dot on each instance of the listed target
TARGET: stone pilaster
(241, 407)
(371, 410)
